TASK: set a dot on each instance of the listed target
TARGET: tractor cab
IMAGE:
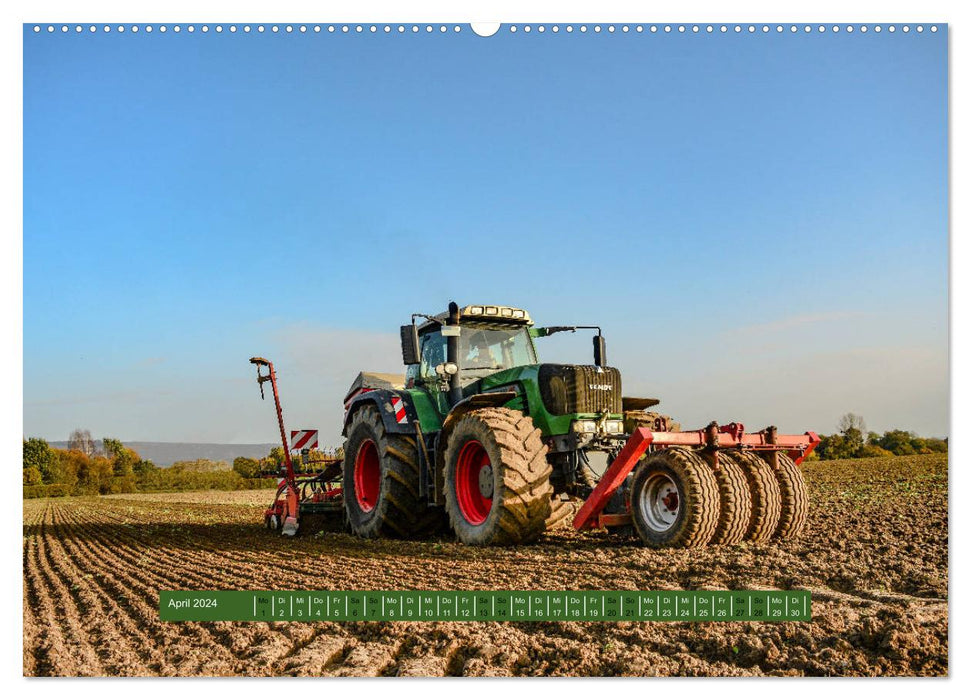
(488, 339)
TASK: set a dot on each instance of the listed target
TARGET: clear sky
(759, 222)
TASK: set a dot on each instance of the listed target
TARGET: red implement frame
(714, 436)
(293, 494)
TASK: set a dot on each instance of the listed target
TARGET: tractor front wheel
(497, 478)
(674, 499)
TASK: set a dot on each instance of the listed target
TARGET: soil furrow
(207, 656)
(74, 654)
(131, 634)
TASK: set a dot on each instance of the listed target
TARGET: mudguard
(395, 407)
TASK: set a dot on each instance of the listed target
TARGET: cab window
(432, 353)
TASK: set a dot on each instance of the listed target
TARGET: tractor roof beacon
(479, 436)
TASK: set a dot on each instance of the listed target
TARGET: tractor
(480, 437)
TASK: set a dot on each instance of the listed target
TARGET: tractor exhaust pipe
(452, 355)
(599, 350)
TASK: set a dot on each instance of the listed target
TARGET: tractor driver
(479, 354)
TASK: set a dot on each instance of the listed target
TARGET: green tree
(276, 456)
(39, 455)
(246, 467)
(276, 459)
(834, 447)
(144, 467)
(899, 442)
(111, 447)
(123, 459)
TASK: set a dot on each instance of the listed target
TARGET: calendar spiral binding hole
(521, 29)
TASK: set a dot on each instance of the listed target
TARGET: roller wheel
(674, 499)
(497, 478)
(735, 510)
(794, 498)
(766, 496)
(381, 481)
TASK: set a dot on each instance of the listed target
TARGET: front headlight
(591, 426)
(614, 426)
(584, 426)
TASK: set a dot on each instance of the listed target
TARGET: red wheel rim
(367, 476)
(472, 459)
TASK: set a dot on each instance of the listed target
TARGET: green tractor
(478, 435)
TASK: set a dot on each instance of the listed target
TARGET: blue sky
(759, 222)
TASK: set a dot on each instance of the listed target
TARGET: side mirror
(410, 352)
(599, 351)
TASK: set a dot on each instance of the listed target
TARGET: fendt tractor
(478, 435)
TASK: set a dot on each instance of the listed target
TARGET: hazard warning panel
(303, 439)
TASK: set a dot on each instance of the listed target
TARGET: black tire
(381, 481)
(735, 510)
(766, 497)
(674, 499)
(497, 478)
(794, 498)
(561, 513)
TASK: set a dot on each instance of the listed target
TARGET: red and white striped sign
(303, 439)
(399, 409)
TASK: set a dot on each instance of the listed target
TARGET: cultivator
(479, 437)
(313, 494)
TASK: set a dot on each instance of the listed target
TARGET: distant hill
(165, 453)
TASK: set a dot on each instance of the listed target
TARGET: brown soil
(874, 556)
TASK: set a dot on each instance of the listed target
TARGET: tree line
(87, 468)
(854, 441)
(273, 463)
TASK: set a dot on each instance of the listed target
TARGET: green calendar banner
(510, 606)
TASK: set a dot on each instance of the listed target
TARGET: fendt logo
(602, 387)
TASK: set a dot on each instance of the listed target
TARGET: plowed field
(874, 556)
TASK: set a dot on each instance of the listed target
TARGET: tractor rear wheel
(735, 510)
(674, 499)
(766, 496)
(497, 478)
(794, 498)
(561, 513)
(381, 481)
